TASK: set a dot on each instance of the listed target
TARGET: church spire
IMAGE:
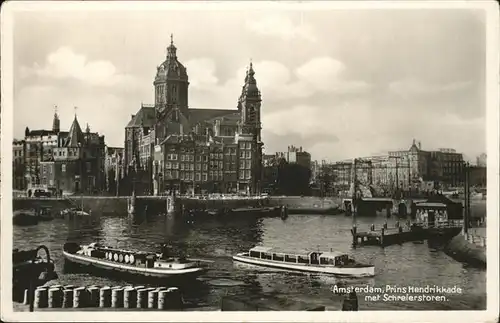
(171, 50)
(251, 73)
(56, 123)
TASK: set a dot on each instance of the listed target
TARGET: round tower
(171, 83)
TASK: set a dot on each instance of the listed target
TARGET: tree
(293, 179)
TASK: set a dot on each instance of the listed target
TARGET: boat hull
(23, 218)
(130, 269)
(367, 271)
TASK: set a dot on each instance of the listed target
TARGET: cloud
(413, 86)
(276, 81)
(105, 112)
(64, 64)
(282, 27)
(204, 72)
(358, 128)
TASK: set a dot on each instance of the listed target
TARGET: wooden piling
(142, 298)
(67, 298)
(55, 297)
(105, 297)
(79, 297)
(153, 299)
(41, 297)
(117, 297)
(129, 297)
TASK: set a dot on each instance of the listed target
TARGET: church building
(172, 147)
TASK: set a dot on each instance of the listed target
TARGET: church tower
(171, 84)
(249, 105)
(56, 124)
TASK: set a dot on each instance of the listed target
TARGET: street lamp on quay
(466, 214)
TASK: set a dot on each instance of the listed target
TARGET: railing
(449, 223)
(406, 227)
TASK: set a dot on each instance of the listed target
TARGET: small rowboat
(133, 262)
(334, 263)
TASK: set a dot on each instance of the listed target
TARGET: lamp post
(467, 198)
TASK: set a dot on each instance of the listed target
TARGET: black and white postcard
(250, 161)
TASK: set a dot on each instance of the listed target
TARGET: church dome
(171, 68)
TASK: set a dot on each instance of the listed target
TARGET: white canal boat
(334, 263)
(133, 262)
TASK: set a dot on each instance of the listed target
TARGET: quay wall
(113, 204)
(470, 249)
(306, 202)
(99, 204)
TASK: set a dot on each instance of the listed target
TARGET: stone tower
(249, 105)
(171, 85)
(56, 124)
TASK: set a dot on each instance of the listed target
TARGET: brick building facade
(176, 148)
(72, 162)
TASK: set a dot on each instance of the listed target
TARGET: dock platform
(399, 234)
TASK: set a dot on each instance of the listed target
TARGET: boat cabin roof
(302, 253)
(429, 205)
(331, 254)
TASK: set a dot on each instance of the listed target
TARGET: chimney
(300, 148)
(419, 145)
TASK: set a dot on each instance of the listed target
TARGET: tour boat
(134, 262)
(334, 263)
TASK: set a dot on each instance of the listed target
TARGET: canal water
(407, 265)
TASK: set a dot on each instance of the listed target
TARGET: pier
(409, 232)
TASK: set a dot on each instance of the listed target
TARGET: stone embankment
(470, 248)
(118, 205)
(99, 204)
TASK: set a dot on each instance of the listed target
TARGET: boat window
(290, 258)
(266, 256)
(278, 257)
(327, 261)
(255, 254)
(303, 260)
(340, 261)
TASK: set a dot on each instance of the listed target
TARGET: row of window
(245, 154)
(245, 145)
(245, 174)
(174, 174)
(205, 158)
(245, 164)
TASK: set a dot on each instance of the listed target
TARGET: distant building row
(405, 169)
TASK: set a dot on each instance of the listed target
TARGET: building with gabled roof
(172, 147)
(68, 161)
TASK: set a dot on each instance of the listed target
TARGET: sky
(339, 83)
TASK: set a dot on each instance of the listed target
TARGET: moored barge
(133, 262)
